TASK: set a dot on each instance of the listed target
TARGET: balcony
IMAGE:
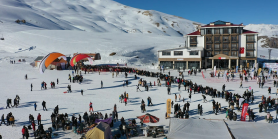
(217, 41)
(226, 41)
(193, 42)
(250, 41)
(234, 40)
(209, 41)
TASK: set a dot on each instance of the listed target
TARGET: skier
(91, 107)
(43, 106)
(31, 87)
(57, 80)
(26, 77)
(240, 84)
(82, 92)
(101, 84)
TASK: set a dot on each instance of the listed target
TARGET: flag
(244, 112)
(242, 50)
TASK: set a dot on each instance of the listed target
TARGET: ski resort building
(221, 44)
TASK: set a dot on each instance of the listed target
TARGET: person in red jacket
(34, 126)
(125, 100)
(91, 107)
(39, 119)
(23, 131)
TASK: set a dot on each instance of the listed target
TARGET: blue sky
(206, 11)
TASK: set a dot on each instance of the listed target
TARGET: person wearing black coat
(79, 118)
(26, 133)
(2, 120)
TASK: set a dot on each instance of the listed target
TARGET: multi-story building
(221, 44)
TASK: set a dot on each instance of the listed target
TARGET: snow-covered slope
(269, 30)
(89, 15)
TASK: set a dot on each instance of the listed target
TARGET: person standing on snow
(125, 100)
(2, 120)
(240, 84)
(57, 80)
(35, 106)
(91, 107)
(101, 83)
(23, 132)
(39, 119)
(44, 105)
(82, 92)
(31, 87)
(26, 77)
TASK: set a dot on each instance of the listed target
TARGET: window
(234, 30)
(178, 53)
(216, 52)
(193, 39)
(165, 53)
(234, 53)
(209, 31)
(194, 52)
(217, 31)
(217, 38)
(216, 46)
(193, 45)
(250, 38)
(249, 53)
(225, 31)
(209, 39)
(234, 38)
(225, 38)
(226, 46)
(226, 52)
(250, 46)
(234, 46)
(209, 46)
(208, 54)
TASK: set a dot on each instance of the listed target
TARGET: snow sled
(65, 92)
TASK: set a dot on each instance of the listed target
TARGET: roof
(252, 130)
(39, 58)
(195, 33)
(220, 23)
(198, 129)
(249, 32)
(173, 49)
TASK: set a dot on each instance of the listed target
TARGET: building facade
(221, 44)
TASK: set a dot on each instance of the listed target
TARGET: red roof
(195, 33)
(248, 32)
(221, 25)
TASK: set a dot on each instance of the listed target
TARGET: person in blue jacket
(35, 106)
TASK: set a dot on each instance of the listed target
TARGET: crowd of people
(60, 120)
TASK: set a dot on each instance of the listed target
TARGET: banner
(168, 107)
(270, 65)
(236, 69)
(244, 112)
(259, 72)
(214, 70)
(241, 50)
(203, 74)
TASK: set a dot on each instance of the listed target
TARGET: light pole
(269, 53)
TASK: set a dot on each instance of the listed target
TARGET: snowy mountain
(89, 15)
(269, 30)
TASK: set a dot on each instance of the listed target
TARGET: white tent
(252, 130)
(198, 129)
